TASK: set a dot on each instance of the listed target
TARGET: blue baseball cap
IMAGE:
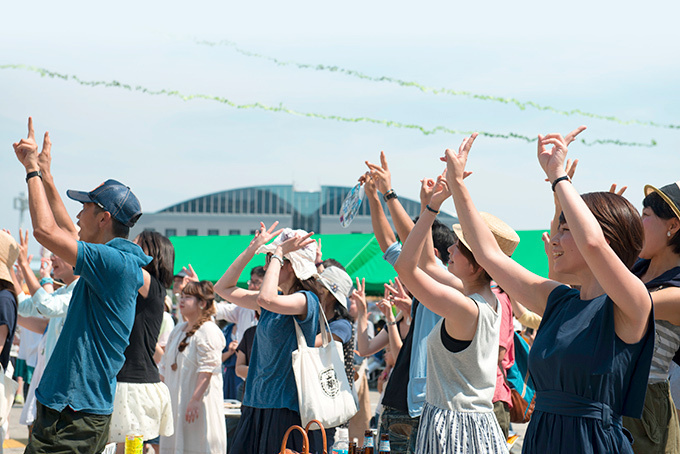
(114, 197)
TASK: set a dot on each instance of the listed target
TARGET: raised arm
(383, 180)
(459, 310)
(531, 289)
(433, 193)
(630, 296)
(45, 228)
(381, 226)
(34, 324)
(666, 304)
(393, 335)
(226, 286)
(59, 211)
(269, 298)
(365, 346)
(25, 265)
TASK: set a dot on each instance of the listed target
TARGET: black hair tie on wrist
(558, 180)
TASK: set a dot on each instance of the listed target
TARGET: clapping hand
(552, 160)
(455, 162)
(381, 174)
(296, 242)
(400, 296)
(264, 235)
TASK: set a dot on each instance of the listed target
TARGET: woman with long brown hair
(142, 403)
(591, 357)
(270, 404)
(191, 368)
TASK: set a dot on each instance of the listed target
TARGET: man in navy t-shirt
(75, 395)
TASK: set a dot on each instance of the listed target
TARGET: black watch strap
(35, 173)
(389, 195)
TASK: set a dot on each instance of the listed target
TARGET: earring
(668, 234)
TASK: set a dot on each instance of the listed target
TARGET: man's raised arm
(45, 228)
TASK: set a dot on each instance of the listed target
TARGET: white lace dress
(207, 434)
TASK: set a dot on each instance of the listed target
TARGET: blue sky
(610, 59)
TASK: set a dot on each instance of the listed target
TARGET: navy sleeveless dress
(586, 378)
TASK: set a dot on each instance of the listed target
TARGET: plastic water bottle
(341, 445)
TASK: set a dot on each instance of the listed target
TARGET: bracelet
(432, 210)
(558, 180)
(389, 195)
(274, 256)
(391, 323)
(46, 280)
(35, 173)
(318, 264)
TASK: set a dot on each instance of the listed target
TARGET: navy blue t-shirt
(8, 316)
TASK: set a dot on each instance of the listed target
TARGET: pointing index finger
(31, 132)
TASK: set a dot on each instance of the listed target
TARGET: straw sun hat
(9, 252)
(506, 237)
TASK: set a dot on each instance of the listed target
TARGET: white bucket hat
(302, 259)
(338, 283)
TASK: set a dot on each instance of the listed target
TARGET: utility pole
(21, 204)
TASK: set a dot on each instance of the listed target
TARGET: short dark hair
(442, 237)
(662, 210)
(333, 262)
(257, 271)
(620, 223)
(471, 258)
(162, 254)
(120, 230)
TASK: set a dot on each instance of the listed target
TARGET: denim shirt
(424, 321)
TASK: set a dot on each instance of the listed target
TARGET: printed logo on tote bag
(329, 382)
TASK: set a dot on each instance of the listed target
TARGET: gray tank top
(465, 381)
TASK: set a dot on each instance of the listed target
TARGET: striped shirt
(666, 343)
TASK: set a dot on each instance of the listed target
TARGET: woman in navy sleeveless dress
(593, 350)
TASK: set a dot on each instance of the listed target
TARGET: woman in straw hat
(591, 357)
(462, 348)
(270, 403)
(659, 268)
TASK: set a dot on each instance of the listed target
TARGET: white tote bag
(323, 389)
(8, 389)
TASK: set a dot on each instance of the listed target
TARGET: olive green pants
(502, 412)
(68, 431)
(658, 431)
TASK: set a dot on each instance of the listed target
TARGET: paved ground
(19, 434)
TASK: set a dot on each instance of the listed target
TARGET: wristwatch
(389, 195)
(35, 173)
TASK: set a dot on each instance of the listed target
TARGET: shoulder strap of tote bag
(323, 325)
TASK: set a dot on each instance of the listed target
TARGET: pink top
(506, 340)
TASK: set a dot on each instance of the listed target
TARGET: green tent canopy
(210, 256)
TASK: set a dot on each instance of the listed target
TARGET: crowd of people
(127, 347)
